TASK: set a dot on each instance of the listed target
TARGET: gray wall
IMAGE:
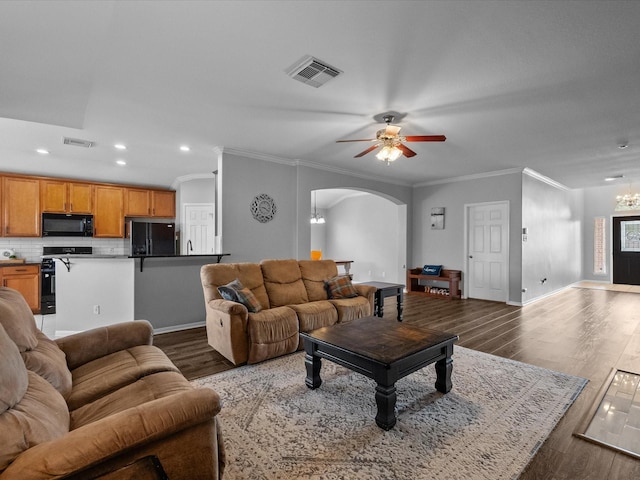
(288, 235)
(168, 292)
(557, 212)
(447, 247)
(246, 239)
(553, 250)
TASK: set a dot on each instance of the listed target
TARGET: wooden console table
(451, 277)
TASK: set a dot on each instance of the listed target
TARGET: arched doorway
(365, 227)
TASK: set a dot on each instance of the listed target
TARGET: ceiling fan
(391, 142)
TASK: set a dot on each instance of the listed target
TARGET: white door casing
(199, 229)
(487, 226)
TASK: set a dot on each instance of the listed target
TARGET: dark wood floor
(578, 331)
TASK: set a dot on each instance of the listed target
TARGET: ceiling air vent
(76, 142)
(312, 71)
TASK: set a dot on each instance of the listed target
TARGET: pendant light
(315, 218)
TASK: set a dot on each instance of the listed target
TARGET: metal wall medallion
(263, 208)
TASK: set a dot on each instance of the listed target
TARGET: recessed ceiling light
(614, 177)
(622, 146)
(120, 146)
(121, 162)
(184, 148)
(42, 151)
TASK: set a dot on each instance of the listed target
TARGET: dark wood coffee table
(382, 350)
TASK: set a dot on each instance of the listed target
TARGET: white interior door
(199, 231)
(488, 251)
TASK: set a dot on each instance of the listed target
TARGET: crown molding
(538, 176)
(258, 156)
(344, 171)
(474, 176)
(191, 176)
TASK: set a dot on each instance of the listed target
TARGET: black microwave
(67, 225)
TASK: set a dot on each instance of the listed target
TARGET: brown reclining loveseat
(292, 297)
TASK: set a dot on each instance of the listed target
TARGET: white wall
(198, 190)
(193, 191)
(309, 179)
(106, 282)
(553, 250)
(371, 231)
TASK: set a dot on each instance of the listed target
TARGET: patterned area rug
(489, 426)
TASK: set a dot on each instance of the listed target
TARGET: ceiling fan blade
(425, 138)
(406, 151)
(392, 130)
(362, 140)
(362, 154)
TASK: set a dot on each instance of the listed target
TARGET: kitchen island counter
(142, 258)
(97, 290)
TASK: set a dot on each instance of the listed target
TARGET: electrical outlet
(96, 309)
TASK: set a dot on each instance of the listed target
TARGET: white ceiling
(553, 86)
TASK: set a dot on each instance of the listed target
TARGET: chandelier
(628, 201)
(316, 218)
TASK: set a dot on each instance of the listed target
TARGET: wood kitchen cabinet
(137, 202)
(163, 203)
(108, 211)
(59, 196)
(20, 206)
(140, 202)
(24, 198)
(26, 280)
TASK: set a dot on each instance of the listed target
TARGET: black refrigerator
(152, 238)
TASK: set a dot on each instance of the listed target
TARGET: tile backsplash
(31, 248)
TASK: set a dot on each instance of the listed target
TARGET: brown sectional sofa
(98, 403)
(292, 298)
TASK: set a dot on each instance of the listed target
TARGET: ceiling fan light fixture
(389, 153)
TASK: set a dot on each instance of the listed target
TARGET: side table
(383, 290)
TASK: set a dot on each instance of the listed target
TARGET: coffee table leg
(444, 368)
(399, 300)
(313, 365)
(386, 401)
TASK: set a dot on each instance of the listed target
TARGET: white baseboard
(546, 295)
(178, 328)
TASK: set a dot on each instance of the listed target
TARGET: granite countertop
(113, 255)
(181, 256)
(17, 262)
(79, 255)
